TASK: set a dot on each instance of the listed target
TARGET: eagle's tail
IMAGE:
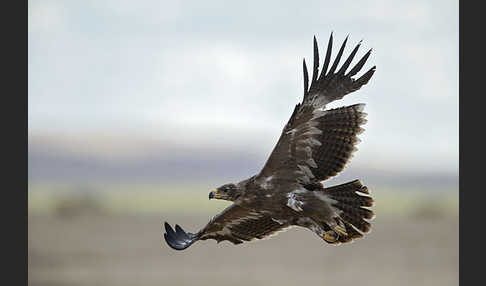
(352, 199)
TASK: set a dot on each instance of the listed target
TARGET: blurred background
(137, 109)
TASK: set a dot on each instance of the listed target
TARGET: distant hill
(51, 161)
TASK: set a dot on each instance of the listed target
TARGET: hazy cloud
(214, 72)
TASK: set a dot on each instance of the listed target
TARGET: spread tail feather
(352, 200)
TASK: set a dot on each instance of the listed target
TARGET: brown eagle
(315, 145)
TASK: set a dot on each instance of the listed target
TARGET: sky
(227, 74)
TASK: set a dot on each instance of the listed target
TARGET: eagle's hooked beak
(215, 195)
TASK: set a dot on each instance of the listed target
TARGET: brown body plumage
(314, 145)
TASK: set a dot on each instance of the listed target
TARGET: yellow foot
(340, 230)
(330, 236)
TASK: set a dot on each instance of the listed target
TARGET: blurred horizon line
(143, 160)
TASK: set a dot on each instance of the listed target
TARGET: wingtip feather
(179, 239)
(306, 78)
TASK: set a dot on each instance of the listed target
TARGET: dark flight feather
(315, 71)
(327, 59)
(338, 57)
(179, 239)
(306, 79)
(359, 65)
(346, 64)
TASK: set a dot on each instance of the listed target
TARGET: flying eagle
(315, 145)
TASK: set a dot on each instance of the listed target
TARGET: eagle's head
(229, 192)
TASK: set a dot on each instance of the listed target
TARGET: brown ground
(129, 250)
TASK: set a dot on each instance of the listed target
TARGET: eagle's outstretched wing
(315, 144)
(235, 224)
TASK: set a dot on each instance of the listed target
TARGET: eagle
(315, 145)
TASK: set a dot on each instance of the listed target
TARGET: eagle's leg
(333, 235)
(337, 230)
(329, 231)
(319, 217)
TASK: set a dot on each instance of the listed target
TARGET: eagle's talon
(340, 230)
(331, 236)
